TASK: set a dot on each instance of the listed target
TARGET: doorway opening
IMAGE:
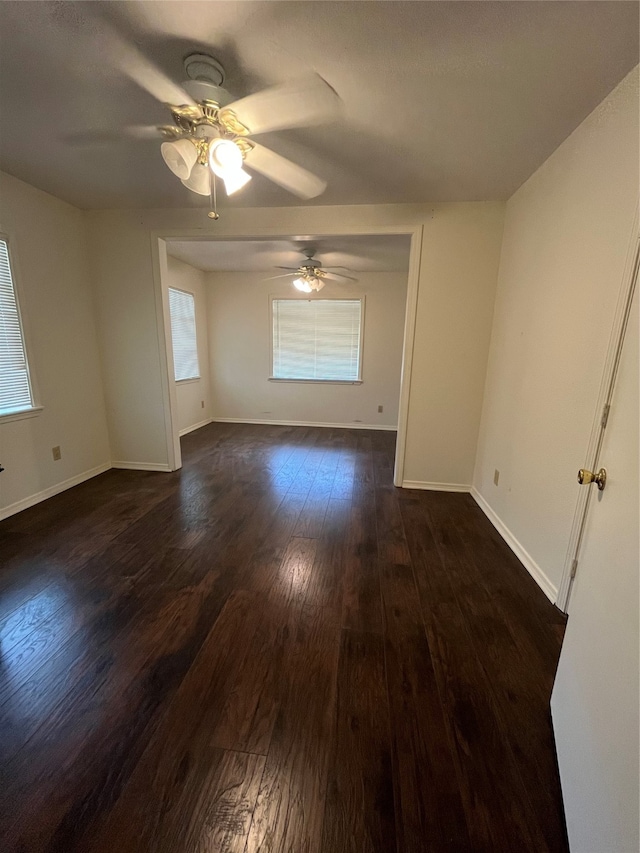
(251, 323)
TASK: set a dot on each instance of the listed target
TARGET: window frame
(36, 407)
(302, 298)
(190, 293)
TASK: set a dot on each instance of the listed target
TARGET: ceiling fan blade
(299, 104)
(336, 276)
(131, 62)
(285, 275)
(140, 132)
(293, 269)
(283, 172)
(348, 269)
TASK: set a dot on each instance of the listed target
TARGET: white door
(595, 697)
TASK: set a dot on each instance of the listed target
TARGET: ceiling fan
(311, 275)
(211, 135)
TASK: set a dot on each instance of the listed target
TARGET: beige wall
(456, 291)
(191, 394)
(48, 241)
(458, 273)
(127, 328)
(566, 237)
(239, 332)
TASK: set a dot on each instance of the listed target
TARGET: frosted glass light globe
(302, 285)
(180, 156)
(224, 157)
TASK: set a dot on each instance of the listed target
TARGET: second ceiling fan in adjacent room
(311, 276)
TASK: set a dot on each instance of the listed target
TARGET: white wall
(239, 334)
(456, 290)
(192, 393)
(566, 237)
(48, 241)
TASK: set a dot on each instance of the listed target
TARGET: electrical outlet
(496, 477)
(380, 409)
(56, 453)
(202, 404)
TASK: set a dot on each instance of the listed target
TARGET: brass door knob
(600, 479)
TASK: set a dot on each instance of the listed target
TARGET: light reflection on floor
(36, 639)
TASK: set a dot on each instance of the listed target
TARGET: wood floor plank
(311, 519)
(289, 811)
(362, 606)
(430, 812)
(359, 815)
(308, 471)
(143, 817)
(326, 585)
(250, 711)
(262, 568)
(392, 543)
(288, 586)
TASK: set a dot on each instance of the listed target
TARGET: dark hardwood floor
(272, 650)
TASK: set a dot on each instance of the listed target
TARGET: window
(317, 339)
(183, 333)
(16, 394)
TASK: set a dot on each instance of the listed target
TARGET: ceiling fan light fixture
(225, 160)
(234, 181)
(303, 285)
(180, 156)
(224, 157)
(199, 181)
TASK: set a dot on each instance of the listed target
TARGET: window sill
(318, 381)
(20, 416)
(187, 381)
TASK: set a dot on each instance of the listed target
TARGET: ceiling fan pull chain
(213, 197)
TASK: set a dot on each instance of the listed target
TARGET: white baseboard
(519, 550)
(141, 466)
(193, 428)
(435, 487)
(32, 500)
(303, 423)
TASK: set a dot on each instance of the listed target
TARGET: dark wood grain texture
(359, 815)
(272, 650)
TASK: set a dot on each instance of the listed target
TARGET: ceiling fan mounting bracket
(201, 66)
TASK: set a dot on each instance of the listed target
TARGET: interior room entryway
(304, 330)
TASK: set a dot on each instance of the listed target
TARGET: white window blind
(15, 387)
(183, 333)
(317, 339)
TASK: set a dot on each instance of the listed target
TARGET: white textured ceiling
(385, 253)
(442, 100)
